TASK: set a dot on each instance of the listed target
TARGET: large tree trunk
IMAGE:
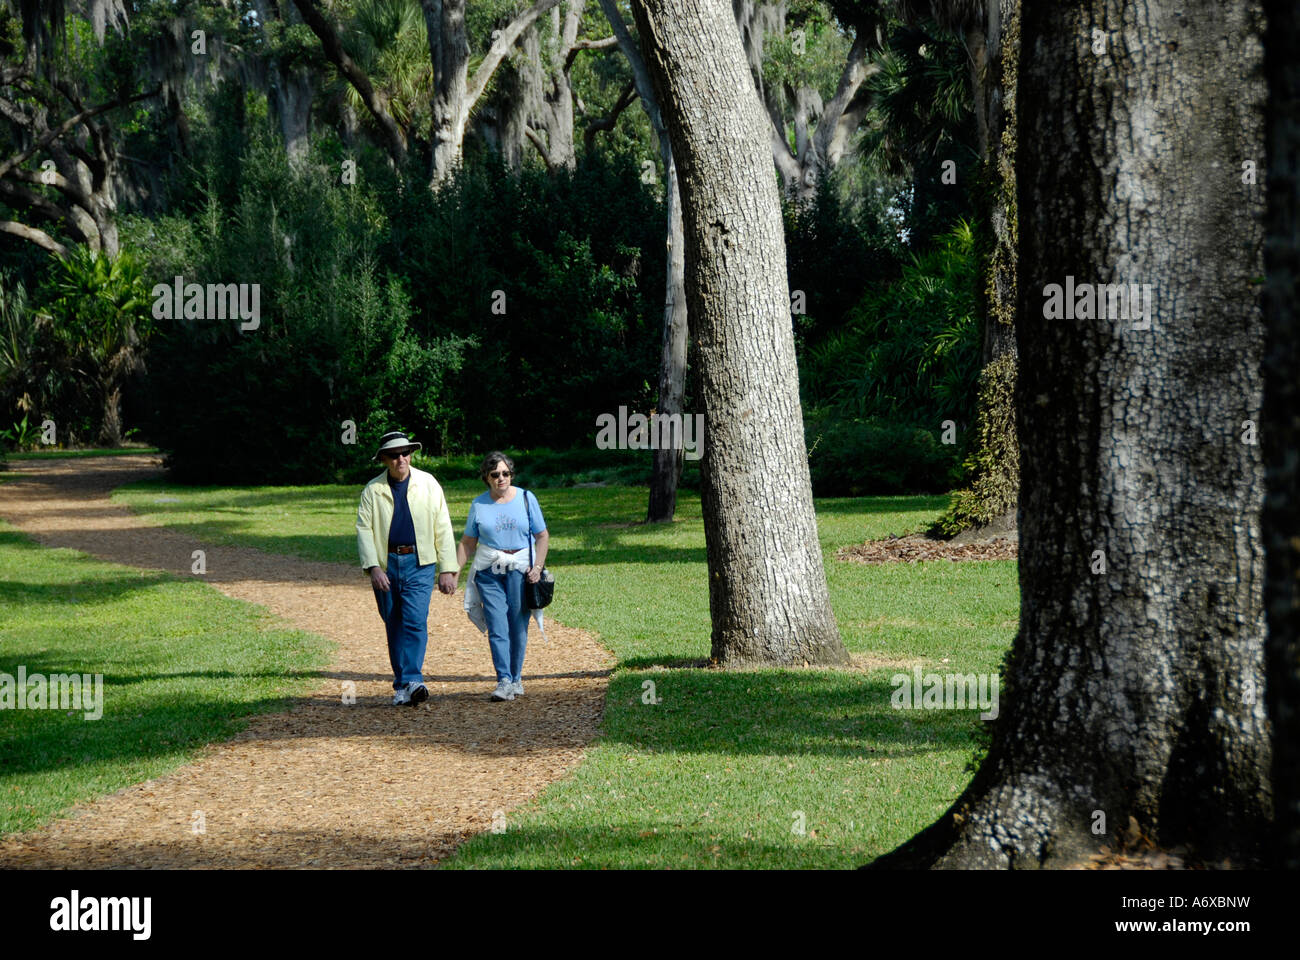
(1133, 689)
(993, 465)
(767, 588)
(449, 51)
(1281, 421)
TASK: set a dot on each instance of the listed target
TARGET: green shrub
(377, 308)
(855, 458)
(910, 351)
(559, 277)
(334, 342)
(821, 237)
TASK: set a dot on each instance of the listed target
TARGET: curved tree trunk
(455, 92)
(667, 469)
(555, 114)
(767, 587)
(667, 464)
(1134, 697)
(1281, 421)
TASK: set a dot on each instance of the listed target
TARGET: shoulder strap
(528, 532)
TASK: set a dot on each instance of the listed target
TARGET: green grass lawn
(182, 666)
(85, 452)
(767, 768)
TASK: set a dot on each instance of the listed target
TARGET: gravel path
(325, 785)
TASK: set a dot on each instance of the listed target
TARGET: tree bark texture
(1133, 703)
(767, 587)
(1280, 427)
(449, 50)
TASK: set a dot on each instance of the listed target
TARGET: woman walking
(501, 524)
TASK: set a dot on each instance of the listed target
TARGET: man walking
(404, 536)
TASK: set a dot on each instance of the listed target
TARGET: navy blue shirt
(402, 530)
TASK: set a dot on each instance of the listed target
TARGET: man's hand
(534, 573)
(446, 583)
(379, 579)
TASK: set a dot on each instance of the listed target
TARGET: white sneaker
(518, 686)
(416, 693)
(505, 691)
(402, 695)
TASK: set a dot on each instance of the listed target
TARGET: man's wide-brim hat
(395, 440)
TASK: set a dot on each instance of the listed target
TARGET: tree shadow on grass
(91, 590)
(648, 844)
(775, 712)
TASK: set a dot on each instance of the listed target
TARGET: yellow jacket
(434, 539)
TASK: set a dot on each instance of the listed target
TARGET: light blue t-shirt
(504, 526)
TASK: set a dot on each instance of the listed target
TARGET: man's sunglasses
(395, 454)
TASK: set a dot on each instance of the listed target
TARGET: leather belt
(509, 551)
(402, 549)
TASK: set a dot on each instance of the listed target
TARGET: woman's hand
(534, 573)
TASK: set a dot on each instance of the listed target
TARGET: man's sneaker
(416, 693)
(402, 695)
(518, 686)
(505, 691)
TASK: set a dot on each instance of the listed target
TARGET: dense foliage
(880, 388)
(504, 309)
(509, 307)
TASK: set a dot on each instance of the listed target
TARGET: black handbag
(541, 593)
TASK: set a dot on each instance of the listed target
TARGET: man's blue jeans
(507, 620)
(405, 611)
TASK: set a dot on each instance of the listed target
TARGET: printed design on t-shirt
(506, 523)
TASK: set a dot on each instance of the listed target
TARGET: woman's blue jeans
(405, 610)
(507, 620)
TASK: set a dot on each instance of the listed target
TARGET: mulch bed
(916, 547)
